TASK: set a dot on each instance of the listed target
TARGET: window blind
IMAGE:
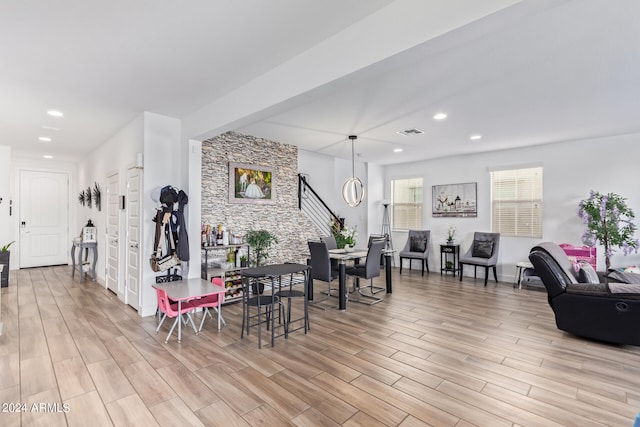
(407, 195)
(516, 202)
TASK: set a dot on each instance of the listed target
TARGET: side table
(84, 247)
(448, 250)
(520, 267)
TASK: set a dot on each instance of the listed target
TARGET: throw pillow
(587, 274)
(482, 249)
(417, 244)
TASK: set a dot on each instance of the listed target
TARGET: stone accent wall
(282, 218)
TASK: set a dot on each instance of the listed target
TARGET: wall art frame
(251, 184)
(455, 200)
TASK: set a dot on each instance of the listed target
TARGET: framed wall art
(250, 183)
(455, 200)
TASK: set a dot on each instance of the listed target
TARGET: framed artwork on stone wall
(250, 183)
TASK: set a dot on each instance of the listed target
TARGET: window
(516, 202)
(406, 196)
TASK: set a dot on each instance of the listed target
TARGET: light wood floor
(435, 352)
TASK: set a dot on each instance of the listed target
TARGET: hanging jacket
(182, 245)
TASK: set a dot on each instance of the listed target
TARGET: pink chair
(170, 309)
(211, 301)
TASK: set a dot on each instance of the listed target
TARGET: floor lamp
(386, 227)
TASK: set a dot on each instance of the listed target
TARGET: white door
(113, 232)
(134, 233)
(44, 218)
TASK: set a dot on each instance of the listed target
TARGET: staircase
(316, 209)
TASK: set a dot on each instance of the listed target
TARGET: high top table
(274, 273)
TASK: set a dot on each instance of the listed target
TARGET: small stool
(520, 267)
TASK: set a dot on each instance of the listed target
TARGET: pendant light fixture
(353, 189)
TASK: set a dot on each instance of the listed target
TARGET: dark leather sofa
(583, 309)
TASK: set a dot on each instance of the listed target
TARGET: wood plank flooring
(436, 352)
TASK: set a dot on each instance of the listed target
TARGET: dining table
(342, 256)
(188, 289)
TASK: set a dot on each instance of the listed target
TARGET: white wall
(571, 170)
(326, 176)
(163, 154)
(158, 138)
(116, 154)
(6, 231)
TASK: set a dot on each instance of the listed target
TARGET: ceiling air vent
(407, 132)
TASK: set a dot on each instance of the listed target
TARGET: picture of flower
(608, 221)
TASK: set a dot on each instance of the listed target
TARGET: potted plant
(243, 261)
(608, 221)
(345, 237)
(260, 241)
(4, 259)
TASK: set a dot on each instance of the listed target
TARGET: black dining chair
(369, 270)
(321, 268)
(266, 302)
(294, 287)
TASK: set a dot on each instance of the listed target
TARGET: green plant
(609, 221)
(260, 241)
(344, 236)
(5, 248)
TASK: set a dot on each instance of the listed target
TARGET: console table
(84, 247)
(448, 250)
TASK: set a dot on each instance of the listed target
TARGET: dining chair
(261, 301)
(170, 310)
(369, 270)
(296, 288)
(321, 268)
(330, 242)
(483, 252)
(211, 301)
(378, 237)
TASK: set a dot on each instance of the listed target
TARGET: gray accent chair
(482, 253)
(417, 247)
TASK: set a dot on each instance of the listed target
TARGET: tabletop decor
(608, 221)
(345, 238)
(451, 232)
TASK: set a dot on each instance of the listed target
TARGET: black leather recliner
(583, 309)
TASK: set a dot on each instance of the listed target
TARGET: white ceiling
(541, 71)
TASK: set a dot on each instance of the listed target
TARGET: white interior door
(44, 218)
(134, 233)
(113, 232)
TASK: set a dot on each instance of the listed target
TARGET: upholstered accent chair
(482, 253)
(417, 247)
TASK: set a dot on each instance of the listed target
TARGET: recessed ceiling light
(50, 128)
(440, 116)
(55, 113)
(45, 139)
(48, 156)
(475, 137)
(397, 150)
